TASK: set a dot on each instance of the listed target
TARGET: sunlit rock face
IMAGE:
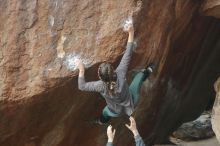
(216, 111)
(40, 104)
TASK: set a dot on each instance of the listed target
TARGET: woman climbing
(113, 86)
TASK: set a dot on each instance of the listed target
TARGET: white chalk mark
(51, 20)
(56, 4)
(60, 51)
(71, 61)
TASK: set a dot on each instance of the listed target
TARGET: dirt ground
(207, 142)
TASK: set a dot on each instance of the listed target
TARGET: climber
(120, 97)
(133, 128)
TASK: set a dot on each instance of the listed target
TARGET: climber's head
(106, 72)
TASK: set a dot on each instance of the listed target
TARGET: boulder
(216, 111)
(40, 104)
(198, 129)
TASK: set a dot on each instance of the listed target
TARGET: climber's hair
(106, 74)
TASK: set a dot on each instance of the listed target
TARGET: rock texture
(198, 129)
(211, 8)
(216, 111)
(37, 37)
(206, 142)
(40, 104)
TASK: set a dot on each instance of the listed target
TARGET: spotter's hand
(110, 133)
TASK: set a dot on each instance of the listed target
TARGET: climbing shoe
(148, 70)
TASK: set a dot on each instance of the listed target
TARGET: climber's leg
(106, 115)
(135, 86)
(139, 78)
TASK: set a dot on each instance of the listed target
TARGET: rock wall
(40, 104)
(38, 38)
(211, 8)
(216, 111)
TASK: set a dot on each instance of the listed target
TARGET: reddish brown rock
(40, 104)
(211, 8)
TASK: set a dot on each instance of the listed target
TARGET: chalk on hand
(128, 22)
(77, 62)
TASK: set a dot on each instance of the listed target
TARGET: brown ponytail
(106, 74)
